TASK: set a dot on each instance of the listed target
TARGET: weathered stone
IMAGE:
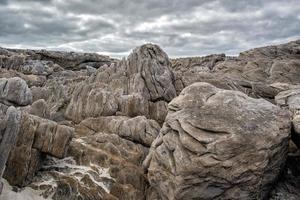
(260, 67)
(122, 157)
(140, 85)
(138, 129)
(36, 136)
(218, 144)
(15, 91)
(9, 130)
(291, 99)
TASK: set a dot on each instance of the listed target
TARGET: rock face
(86, 126)
(218, 144)
(15, 91)
(141, 85)
(9, 129)
(36, 136)
(253, 72)
(291, 99)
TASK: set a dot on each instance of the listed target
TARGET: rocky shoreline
(86, 126)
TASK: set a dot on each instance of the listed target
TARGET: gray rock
(9, 131)
(218, 144)
(36, 136)
(15, 91)
(140, 85)
(138, 129)
(291, 99)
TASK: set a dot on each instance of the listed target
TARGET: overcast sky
(180, 27)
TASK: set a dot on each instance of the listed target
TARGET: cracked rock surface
(83, 126)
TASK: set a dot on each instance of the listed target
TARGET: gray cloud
(182, 28)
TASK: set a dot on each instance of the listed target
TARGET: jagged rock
(138, 129)
(91, 100)
(257, 67)
(218, 144)
(22, 64)
(105, 158)
(113, 105)
(121, 156)
(38, 108)
(15, 91)
(31, 80)
(9, 130)
(37, 136)
(291, 99)
(65, 179)
(140, 85)
(74, 60)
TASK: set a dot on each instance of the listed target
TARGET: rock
(22, 64)
(291, 99)
(15, 91)
(122, 157)
(9, 131)
(138, 129)
(152, 64)
(65, 179)
(91, 100)
(214, 144)
(260, 68)
(287, 187)
(218, 144)
(72, 60)
(90, 70)
(38, 108)
(104, 161)
(140, 85)
(37, 136)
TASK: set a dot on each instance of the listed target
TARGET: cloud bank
(114, 27)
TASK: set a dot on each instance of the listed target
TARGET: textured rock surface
(291, 99)
(36, 136)
(140, 85)
(218, 144)
(288, 186)
(260, 67)
(115, 110)
(15, 91)
(137, 129)
(9, 130)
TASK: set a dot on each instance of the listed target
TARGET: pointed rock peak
(150, 51)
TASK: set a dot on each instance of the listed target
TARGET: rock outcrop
(9, 129)
(252, 72)
(86, 126)
(291, 99)
(141, 85)
(14, 91)
(218, 144)
(36, 137)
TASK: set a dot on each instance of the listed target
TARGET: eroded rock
(15, 91)
(218, 144)
(37, 136)
(140, 85)
(291, 99)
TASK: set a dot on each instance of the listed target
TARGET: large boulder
(218, 144)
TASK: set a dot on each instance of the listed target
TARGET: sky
(181, 27)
